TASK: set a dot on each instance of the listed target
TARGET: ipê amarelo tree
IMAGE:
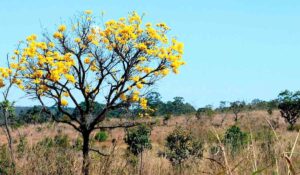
(83, 61)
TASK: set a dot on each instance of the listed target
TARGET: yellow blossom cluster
(57, 59)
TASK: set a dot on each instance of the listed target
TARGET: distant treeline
(176, 107)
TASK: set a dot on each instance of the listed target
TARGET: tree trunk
(85, 153)
(236, 117)
(10, 141)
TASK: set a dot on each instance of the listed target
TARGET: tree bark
(10, 140)
(236, 117)
(85, 153)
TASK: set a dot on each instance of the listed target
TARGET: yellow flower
(36, 81)
(123, 97)
(51, 44)
(77, 40)
(142, 59)
(141, 46)
(70, 78)
(88, 12)
(135, 96)
(32, 37)
(54, 75)
(135, 79)
(58, 35)
(165, 72)
(143, 103)
(87, 60)
(65, 94)
(64, 102)
(147, 70)
(96, 43)
(14, 65)
(16, 52)
(62, 28)
(139, 85)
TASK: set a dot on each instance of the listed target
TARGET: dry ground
(256, 157)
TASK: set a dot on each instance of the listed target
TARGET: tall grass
(43, 150)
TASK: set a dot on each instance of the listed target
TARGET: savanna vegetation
(105, 119)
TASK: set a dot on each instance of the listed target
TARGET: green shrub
(181, 145)
(78, 144)
(62, 141)
(166, 118)
(138, 139)
(266, 139)
(47, 142)
(101, 136)
(21, 146)
(206, 111)
(295, 127)
(270, 111)
(59, 140)
(235, 139)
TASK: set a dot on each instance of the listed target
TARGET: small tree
(138, 139)
(289, 106)
(181, 145)
(237, 107)
(206, 111)
(166, 118)
(84, 62)
(7, 113)
(101, 136)
(235, 139)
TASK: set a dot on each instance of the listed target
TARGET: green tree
(289, 106)
(237, 107)
(155, 103)
(181, 145)
(205, 111)
(235, 139)
(34, 115)
(138, 139)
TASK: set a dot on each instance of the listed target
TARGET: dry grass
(261, 155)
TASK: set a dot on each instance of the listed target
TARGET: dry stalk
(291, 169)
(224, 152)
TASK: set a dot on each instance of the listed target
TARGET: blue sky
(235, 50)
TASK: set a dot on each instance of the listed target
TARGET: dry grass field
(268, 151)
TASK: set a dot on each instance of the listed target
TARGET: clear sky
(235, 50)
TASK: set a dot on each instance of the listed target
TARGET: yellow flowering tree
(116, 62)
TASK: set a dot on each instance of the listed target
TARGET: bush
(235, 139)
(21, 146)
(138, 139)
(295, 127)
(101, 136)
(206, 111)
(266, 139)
(62, 141)
(167, 117)
(59, 140)
(78, 144)
(47, 142)
(181, 145)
